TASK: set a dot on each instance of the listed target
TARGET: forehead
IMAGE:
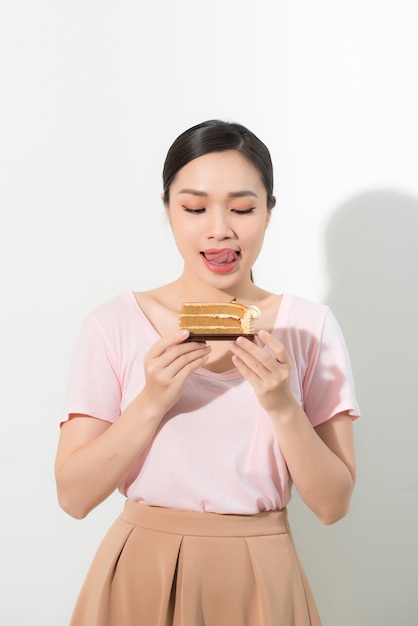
(227, 170)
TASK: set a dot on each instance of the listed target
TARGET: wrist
(286, 412)
(144, 410)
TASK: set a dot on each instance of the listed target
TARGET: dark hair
(216, 136)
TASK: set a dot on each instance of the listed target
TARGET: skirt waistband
(178, 522)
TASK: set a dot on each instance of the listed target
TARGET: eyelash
(236, 211)
(194, 211)
(244, 211)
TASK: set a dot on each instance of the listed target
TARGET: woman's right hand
(167, 365)
(94, 456)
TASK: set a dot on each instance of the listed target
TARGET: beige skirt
(163, 567)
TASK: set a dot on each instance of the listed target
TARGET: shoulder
(116, 304)
(112, 313)
(305, 313)
(312, 324)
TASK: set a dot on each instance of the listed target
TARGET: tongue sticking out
(225, 255)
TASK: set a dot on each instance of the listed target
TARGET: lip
(220, 268)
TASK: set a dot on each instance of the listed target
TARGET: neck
(187, 290)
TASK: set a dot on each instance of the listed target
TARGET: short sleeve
(328, 387)
(93, 386)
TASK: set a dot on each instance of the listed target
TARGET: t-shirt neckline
(278, 325)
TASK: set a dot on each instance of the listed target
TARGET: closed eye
(243, 211)
(195, 211)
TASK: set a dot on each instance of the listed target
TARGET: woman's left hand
(269, 375)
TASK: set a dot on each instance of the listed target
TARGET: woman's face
(218, 213)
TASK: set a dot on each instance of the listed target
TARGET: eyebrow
(231, 194)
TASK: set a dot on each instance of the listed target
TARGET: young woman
(205, 439)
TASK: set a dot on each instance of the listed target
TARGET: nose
(219, 226)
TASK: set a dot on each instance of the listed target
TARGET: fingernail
(184, 334)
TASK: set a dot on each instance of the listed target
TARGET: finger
(275, 346)
(175, 357)
(166, 342)
(254, 358)
(167, 349)
(257, 352)
(188, 362)
(243, 368)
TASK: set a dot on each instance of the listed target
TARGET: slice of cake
(218, 320)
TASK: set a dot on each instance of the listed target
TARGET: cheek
(254, 232)
(253, 239)
(184, 233)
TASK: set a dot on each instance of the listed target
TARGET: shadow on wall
(372, 257)
(364, 569)
(372, 253)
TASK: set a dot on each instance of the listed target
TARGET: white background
(92, 95)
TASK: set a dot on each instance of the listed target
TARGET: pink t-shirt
(215, 450)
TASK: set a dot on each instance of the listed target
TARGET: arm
(94, 456)
(320, 461)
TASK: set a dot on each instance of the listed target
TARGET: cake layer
(218, 319)
(210, 322)
(234, 309)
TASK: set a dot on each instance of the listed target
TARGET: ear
(270, 208)
(268, 218)
(166, 209)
